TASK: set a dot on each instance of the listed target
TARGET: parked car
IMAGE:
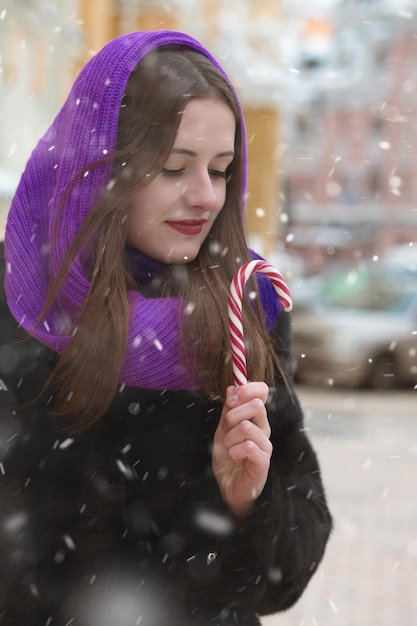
(358, 329)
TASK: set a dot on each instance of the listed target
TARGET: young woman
(138, 485)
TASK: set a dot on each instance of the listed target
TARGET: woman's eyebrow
(193, 154)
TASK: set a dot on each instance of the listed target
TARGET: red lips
(188, 227)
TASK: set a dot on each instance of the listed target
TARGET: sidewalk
(367, 446)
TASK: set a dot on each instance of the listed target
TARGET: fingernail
(232, 399)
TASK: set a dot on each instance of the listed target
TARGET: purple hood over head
(83, 132)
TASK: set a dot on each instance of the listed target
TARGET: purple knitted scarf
(83, 132)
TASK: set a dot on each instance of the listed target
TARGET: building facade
(349, 166)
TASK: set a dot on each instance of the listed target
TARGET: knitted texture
(84, 131)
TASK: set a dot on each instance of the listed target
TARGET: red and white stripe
(235, 310)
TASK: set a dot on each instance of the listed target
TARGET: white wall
(32, 31)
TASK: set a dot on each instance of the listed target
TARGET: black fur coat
(124, 524)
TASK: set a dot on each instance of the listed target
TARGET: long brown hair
(87, 374)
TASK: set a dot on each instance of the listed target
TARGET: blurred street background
(367, 446)
(329, 92)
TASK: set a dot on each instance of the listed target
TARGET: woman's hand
(242, 449)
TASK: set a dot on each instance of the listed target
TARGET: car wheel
(383, 373)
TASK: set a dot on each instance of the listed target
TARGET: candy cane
(235, 310)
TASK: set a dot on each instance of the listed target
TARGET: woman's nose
(200, 192)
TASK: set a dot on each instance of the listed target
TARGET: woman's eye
(172, 173)
(217, 174)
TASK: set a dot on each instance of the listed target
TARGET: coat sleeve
(297, 523)
(299, 516)
(264, 564)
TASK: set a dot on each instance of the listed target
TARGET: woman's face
(170, 218)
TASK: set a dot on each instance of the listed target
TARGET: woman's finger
(244, 393)
(256, 462)
(253, 410)
(246, 430)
